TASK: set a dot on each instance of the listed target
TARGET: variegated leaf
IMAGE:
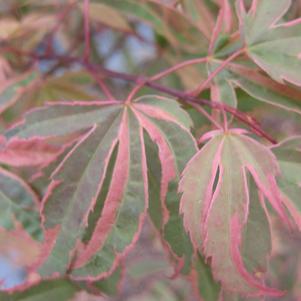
(84, 180)
(288, 154)
(18, 203)
(218, 208)
(273, 47)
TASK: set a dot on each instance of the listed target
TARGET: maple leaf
(106, 170)
(18, 203)
(274, 47)
(220, 211)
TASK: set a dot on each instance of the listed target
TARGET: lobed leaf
(105, 171)
(217, 207)
(274, 48)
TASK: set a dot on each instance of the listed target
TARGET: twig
(243, 117)
(87, 30)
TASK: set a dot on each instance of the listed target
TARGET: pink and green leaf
(288, 154)
(273, 47)
(84, 182)
(217, 196)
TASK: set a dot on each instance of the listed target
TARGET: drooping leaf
(80, 179)
(274, 48)
(288, 154)
(217, 207)
(164, 207)
(266, 90)
(18, 203)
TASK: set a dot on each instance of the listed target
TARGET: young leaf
(79, 179)
(18, 203)
(217, 206)
(274, 48)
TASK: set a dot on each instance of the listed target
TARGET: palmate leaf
(274, 48)
(218, 208)
(108, 129)
(18, 203)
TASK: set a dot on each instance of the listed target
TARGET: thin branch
(178, 66)
(221, 67)
(166, 72)
(101, 84)
(241, 116)
(200, 109)
(87, 30)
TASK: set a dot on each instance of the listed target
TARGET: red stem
(165, 73)
(101, 84)
(204, 84)
(243, 117)
(87, 30)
